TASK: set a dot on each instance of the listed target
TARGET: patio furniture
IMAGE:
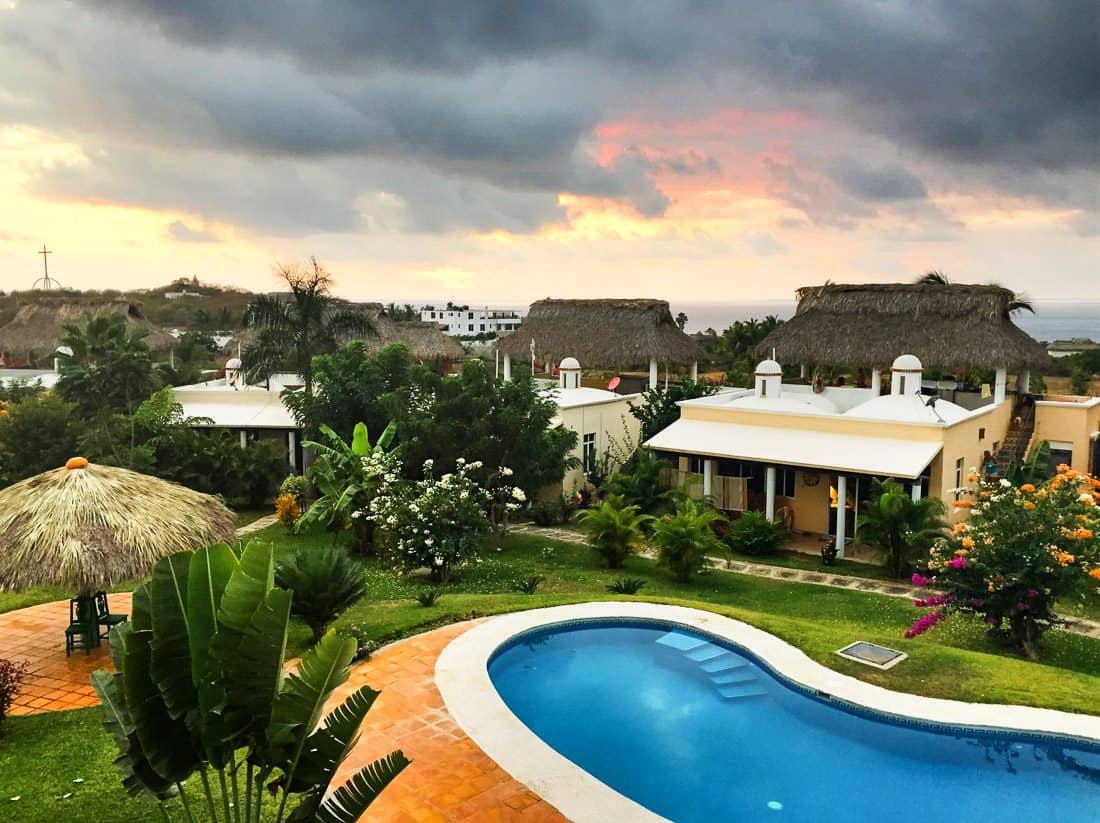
(104, 619)
(82, 631)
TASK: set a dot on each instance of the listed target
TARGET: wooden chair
(82, 631)
(104, 619)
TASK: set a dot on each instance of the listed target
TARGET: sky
(499, 151)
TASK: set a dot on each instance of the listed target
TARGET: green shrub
(11, 680)
(553, 512)
(296, 486)
(325, 582)
(626, 585)
(428, 597)
(754, 534)
(684, 538)
(528, 585)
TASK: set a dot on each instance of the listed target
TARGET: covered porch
(798, 476)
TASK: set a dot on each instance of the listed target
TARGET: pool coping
(462, 677)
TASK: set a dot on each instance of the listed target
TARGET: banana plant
(347, 475)
(200, 690)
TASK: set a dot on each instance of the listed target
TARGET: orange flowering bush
(1019, 551)
(287, 510)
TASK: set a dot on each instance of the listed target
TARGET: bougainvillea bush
(437, 523)
(1021, 549)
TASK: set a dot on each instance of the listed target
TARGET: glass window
(958, 476)
(588, 451)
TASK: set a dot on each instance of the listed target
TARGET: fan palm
(683, 538)
(292, 331)
(898, 526)
(614, 529)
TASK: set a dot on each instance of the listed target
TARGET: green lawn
(42, 755)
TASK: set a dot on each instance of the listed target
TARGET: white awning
(792, 447)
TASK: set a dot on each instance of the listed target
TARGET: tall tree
(293, 329)
(110, 368)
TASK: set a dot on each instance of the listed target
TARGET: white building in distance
(465, 321)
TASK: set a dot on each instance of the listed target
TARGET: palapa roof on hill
(955, 326)
(38, 326)
(603, 333)
(425, 341)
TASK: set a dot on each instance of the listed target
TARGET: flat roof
(793, 447)
(237, 409)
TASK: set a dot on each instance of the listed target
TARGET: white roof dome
(769, 367)
(233, 363)
(907, 362)
(909, 408)
(569, 363)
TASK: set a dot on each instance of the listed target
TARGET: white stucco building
(466, 320)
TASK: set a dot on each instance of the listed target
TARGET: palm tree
(900, 527)
(683, 538)
(1019, 301)
(107, 365)
(294, 330)
(614, 529)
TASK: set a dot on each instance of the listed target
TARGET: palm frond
(348, 803)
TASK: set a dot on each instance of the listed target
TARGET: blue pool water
(697, 731)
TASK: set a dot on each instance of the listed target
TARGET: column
(292, 449)
(507, 367)
(841, 513)
(653, 372)
(244, 439)
(917, 488)
(769, 487)
(1023, 382)
(876, 382)
(708, 475)
(999, 387)
(694, 370)
(802, 371)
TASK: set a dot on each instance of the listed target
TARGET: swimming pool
(694, 729)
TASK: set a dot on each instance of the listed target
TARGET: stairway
(1013, 448)
(733, 677)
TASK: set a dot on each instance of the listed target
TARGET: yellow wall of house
(616, 429)
(967, 440)
(1075, 423)
(810, 503)
(805, 422)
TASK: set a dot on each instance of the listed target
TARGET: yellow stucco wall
(616, 430)
(1075, 423)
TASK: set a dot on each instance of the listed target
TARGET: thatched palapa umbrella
(89, 527)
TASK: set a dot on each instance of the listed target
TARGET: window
(471, 327)
(588, 451)
(784, 482)
(483, 327)
(1060, 452)
(958, 476)
(470, 316)
(695, 464)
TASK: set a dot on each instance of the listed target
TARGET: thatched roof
(91, 528)
(601, 333)
(425, 341)
(38, 326)
(952, 326)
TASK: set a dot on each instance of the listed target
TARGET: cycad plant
(201, 690)
(347, 475)
(326, 581)
(614, 529)
(684, 538)
(898, 526)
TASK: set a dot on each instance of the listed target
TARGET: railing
(1014, 449)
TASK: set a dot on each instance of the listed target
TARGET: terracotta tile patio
(450, 778)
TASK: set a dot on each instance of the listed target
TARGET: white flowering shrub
(437, 523)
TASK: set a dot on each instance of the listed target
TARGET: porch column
(769, 487)
(507, 367)
(841, 512)
(708, 475)
(917, 488)
(876, 382)
(999, 386)
(802, 371)
(292, 448)
(653, 372)
(694, 371)
(1023, 382)
(244, 439)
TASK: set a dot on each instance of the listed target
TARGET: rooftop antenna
(45, 282)
(773, 352)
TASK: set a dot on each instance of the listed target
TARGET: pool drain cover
(871, 654)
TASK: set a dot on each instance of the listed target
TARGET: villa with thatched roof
(603, 333)
(34, 333)
(810, 453)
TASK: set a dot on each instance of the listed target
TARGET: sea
(1053, 320)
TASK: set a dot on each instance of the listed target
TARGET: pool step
(682, 642)
(725, 662)
(708, 651)
(742, 691)
(732, 677)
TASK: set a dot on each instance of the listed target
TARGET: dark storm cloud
(478, 114)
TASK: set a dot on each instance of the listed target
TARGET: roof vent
(768, 378)
(569, 373)
(906, 375)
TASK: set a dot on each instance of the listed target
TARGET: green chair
(82, 631)
(104, 619)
